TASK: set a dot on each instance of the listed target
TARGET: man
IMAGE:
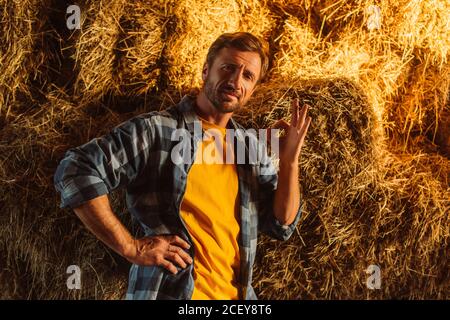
(200, 219)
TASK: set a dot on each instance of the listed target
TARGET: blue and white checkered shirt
(136, 155)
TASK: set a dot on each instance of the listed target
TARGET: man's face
(230, 80)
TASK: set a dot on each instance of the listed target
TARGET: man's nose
(236, 78)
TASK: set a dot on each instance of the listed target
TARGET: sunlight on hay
(374, 171)
(357, 199)
(200, 22)
(256, 17)
(425, 25)
(300, 51)
(21, 27)
(372, 59)
(303, 56)
(95, 48)
(422, 103)
(119, 48)
(141, 48)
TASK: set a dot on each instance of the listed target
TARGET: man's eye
(227, 67)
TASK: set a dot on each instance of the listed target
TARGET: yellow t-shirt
(210, 210)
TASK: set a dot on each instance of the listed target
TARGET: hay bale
(423, 25)
(21, 32)
(141, 48)
(371, 197)
(199, 23)
(413, 25)
(38, 241)
(421, 107)
(362, 205)
(370, 59)
(118, 49)
(303, 56)
(380, 59)
(327, 18)
(345, 142)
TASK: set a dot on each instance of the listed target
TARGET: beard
(219, 100)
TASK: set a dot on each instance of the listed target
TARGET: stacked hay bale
(381, 65)
(21, 61)
(410, 43)
(337, 167)
(375, 185)
(140, 48)
(357, 206)
(422, 109)
(118, 49)
(38, 241)
(199, 23)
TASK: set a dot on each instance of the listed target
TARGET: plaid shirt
(137, 155)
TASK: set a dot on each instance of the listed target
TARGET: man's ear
(205, 71)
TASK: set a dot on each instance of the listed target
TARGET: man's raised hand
(294, 133)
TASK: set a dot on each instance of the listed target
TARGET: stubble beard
(216, 100)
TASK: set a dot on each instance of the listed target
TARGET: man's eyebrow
(251, 73)
(235, 65)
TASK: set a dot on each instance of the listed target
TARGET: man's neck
(207, 111)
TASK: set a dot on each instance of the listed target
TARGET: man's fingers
(168, 265)
(175, 257)
(306, 126)
(179, 242)
(280, 124)
(185, 256)
(294, 111)
(302, 118)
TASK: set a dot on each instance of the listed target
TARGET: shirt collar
(186, 107)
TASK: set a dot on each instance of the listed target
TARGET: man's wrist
(289, 164)
(128, 249)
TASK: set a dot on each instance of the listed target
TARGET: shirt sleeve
(104, 164)
(269, 224)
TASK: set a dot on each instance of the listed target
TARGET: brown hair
(242, 41)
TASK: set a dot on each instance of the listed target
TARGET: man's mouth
(230, 94)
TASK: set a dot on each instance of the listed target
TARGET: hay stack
(199, 23)
(21, 31)
(380, 60)
(424, 26)
(413, 25)
(38, 241)
(358, 207)
(375, 184)
(118, 49)
(141, 48)
(369, 59)
(422, 108)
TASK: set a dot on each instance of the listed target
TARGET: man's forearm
(287, 195)
(98, 217)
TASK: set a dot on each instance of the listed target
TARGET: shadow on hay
(363, 206)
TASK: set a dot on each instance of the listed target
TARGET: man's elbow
(286, 222)
(285, 217)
